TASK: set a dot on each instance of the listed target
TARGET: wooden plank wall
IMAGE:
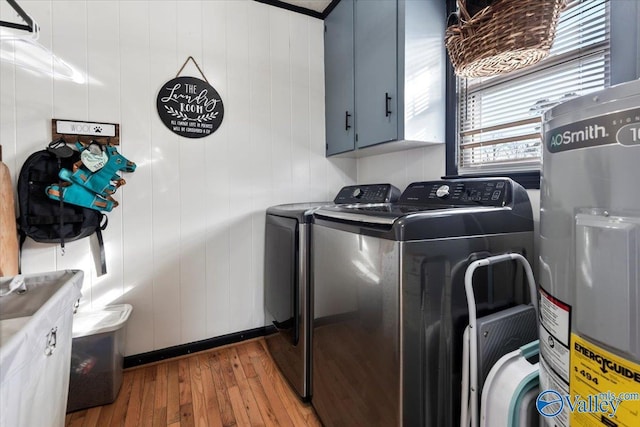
(185, 246)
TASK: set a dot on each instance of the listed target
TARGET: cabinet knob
(347, 126)
(387, 105)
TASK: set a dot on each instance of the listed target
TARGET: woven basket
(502, 37)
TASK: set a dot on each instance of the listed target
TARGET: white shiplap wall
(403, 167)
(185, 247)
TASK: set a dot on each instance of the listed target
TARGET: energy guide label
(605, 387)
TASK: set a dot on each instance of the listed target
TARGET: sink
(35, 347)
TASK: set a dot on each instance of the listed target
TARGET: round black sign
(190, 107)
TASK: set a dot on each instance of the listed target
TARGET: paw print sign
(190, 107)
(108, 133)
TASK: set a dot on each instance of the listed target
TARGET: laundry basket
(487, 339)
(97, 356)
(510, 391)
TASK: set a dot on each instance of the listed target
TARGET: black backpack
(50, 221)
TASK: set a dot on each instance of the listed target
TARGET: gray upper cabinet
(338, 71)
(376, 73)
(384, 75)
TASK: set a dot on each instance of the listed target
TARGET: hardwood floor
(233, 385)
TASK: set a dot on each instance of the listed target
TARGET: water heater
(589, 269)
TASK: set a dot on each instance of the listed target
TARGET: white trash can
(97, 356)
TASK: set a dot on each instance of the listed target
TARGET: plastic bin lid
(108, 319)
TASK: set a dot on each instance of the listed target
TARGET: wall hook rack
(72, 131)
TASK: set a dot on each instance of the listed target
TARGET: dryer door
(281, 271)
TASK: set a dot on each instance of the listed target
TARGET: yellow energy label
(604, 389)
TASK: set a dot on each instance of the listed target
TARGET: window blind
(499, 118)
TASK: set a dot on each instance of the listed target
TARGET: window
(499, 118)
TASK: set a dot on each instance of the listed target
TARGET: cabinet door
(375, 34)
(339, 89)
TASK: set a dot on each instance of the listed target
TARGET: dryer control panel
(463, 192)
(369, 193)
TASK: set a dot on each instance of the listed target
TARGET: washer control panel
(465, 192)
(368, 193)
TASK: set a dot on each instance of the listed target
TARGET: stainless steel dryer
(389, 306)
(287, 274)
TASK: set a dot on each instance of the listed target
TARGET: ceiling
(310, 7)
(317, 6)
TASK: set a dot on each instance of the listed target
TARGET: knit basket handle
(464, 13)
